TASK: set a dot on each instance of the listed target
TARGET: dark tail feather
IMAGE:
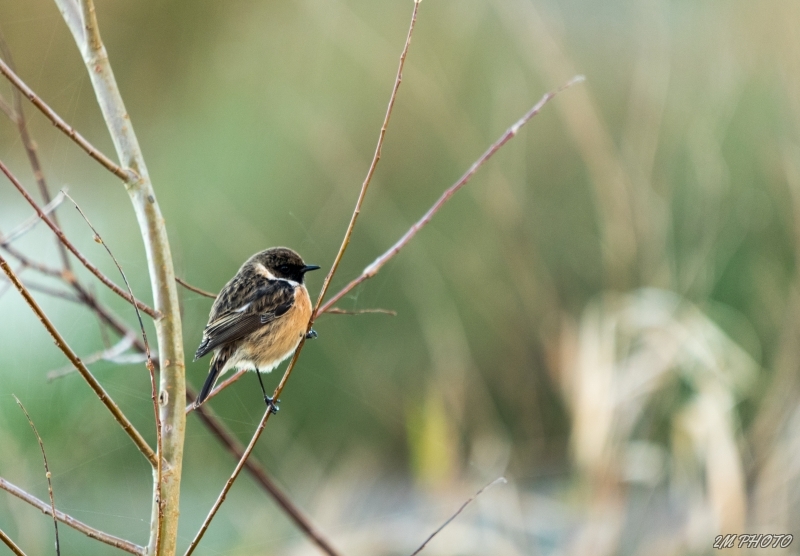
(217, 363)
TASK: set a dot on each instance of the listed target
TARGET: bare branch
(93, 269)
(499, 480)
(260, 475)
(124, 174)
(165, 508)
(375, 159)
(46, 473)
(195, 289)
(10, 544)
(337, 260)
(126, 425)
(378, 263)
(70, 521)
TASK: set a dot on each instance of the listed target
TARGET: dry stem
(499, 480)
(46, 472)
(70, 521)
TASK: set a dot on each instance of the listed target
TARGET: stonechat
(258, 319)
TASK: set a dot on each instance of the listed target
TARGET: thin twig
(46, 472)
(337, 311)
(122, 173)
(6, 108)
(32, 150)
(337, 260)
(501, 480)
(70, 521)
(376, 265)
(56, 230)
(10, 544)
(260, 475)
(195, 289)
(149, 363)
(31, 222)
(375, 159)
(120, 417)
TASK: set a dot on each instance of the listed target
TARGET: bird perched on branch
(258, 319)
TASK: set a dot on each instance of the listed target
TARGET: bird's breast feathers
(264, 349)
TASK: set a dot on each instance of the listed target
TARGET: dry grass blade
(46, 472)
(499, 480)
(70, 521)
(10, 544)
(89, 266)
(120, 417)
(150, 367)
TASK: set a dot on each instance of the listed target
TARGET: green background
(605, 315)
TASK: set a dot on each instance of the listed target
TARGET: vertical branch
(46, 473)
(165, 507)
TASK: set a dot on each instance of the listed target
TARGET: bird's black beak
(310, 267)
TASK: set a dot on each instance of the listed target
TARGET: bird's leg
(312, 334)
(271, 405)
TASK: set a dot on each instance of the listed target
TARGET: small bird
(258, 319)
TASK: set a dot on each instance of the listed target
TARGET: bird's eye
(284, 268)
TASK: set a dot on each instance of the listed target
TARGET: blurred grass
(571, 320)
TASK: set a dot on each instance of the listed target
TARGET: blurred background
(608, 314)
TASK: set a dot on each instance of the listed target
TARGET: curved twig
(46, 473)
(499, 480)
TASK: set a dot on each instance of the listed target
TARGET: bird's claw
(311, 335)
(272, 404)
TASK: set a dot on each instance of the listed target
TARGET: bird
(258, 319)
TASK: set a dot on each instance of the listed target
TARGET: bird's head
(281, 263)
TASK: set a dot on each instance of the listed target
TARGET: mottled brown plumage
(258, 318)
